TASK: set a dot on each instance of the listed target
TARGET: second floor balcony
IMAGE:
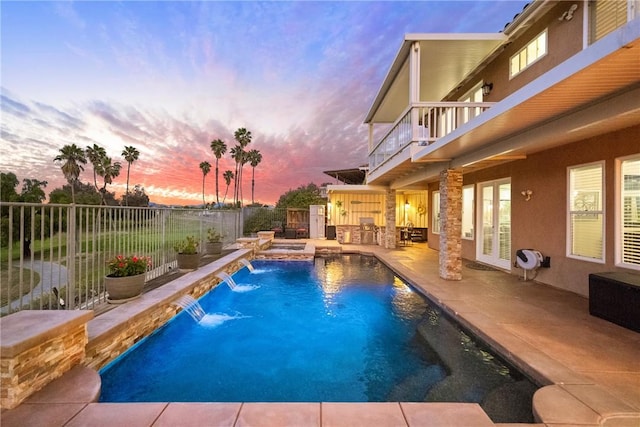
(422, 124)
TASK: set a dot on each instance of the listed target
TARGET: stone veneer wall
(450, 265)
(128, 324)
(37, 347)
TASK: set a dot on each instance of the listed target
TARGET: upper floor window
(474, 95)
(585, 237)
(628, 213)
(536, 49)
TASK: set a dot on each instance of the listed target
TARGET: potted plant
(126, 277)
(214, 242)
(188, 257)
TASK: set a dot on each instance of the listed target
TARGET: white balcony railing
(423, 123)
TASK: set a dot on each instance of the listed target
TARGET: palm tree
(238, 154)
(228, 176)
(94, 155)
(206, 168)
(72, 158)
(243, 137)
(108, 171)
(219, 148)
(254, 157)
(130, 154)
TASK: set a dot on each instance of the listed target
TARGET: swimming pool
(336, 329)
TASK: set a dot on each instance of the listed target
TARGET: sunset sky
(169, 77)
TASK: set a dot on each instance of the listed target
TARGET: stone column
(390, 220)
(450, 265)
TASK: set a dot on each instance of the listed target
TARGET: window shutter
(586, 214)
(631, 212)
(606, 16)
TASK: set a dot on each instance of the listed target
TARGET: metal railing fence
(55, 256)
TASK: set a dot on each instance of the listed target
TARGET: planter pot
(123, 289)
(214, 248)
(188, 261)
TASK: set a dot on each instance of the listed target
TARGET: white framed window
(435, 212)
(628, 212)
(467, 211)
(585, 219)
(474, 95)
(533, 51)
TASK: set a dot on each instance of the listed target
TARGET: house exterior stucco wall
(541, 223)
(563, 41)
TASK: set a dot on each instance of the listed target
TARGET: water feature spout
(247, 264)
(191, 306)
(225, 277)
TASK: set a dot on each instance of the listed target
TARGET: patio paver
(592, 362)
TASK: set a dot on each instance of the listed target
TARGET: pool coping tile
(199, 414)
(118, 414)
(272, 414)
(379, 414)
(445, 414)
(36, 414)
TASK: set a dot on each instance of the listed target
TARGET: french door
(494, 219)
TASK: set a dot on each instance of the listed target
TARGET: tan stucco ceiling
(446, 59)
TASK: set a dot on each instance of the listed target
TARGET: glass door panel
(494, 217)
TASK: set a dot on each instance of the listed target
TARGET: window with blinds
(586, 212)
(605, 16)
(629, 242)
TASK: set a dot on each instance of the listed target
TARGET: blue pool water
(337, 329)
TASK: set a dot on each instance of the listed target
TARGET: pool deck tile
(199, 414)
(443, 414)
(589, 366)
(379, 414)
(36, 414)
(117, 414)
(279, 415)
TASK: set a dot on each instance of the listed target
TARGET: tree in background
(254, 157)
(302, 197)
(243, 138)
(130, 154)
(228, 177)
(33, 191)
(237, 153)
(219, 148)
(138, 197)
(108, 170)
(95, 155)
(205, 167)
(86, 194)
(8, 184)
(71, 159)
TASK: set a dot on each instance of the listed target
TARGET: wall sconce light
(568, 14)
(486, 88)
(526, 194)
